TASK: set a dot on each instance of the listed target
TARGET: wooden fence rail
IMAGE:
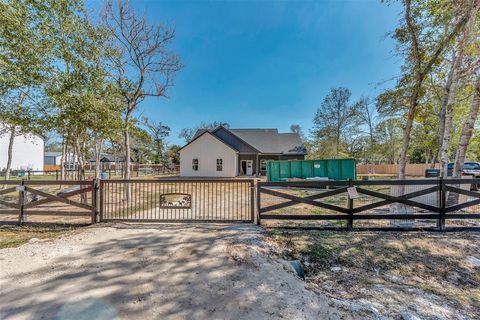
(31, 199)
(230, 200)
(445, 193)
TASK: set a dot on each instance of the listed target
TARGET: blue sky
(268, 64)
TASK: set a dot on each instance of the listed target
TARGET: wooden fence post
(101, 195)
(21, 200)
(442, 206)
(350, 207)
(259, 205)
(94, 200)
(252, 200)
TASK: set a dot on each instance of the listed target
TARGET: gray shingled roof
(267, 140)
(107, 157)
(271, 141)
(52, 154)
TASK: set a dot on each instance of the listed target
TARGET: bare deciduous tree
(187, 134)
(144, 66)
(335, 119)
(366, 110)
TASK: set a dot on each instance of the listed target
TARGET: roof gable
(198, 135)
(233, 140)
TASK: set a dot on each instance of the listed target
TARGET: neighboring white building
(27, 152)
(54, 158)
(208, 157)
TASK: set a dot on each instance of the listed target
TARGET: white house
(208, 157)
(27, 152)
(223, 152)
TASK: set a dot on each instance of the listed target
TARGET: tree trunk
(402, 162)
(434, 160)
(127, 157)
(127, 154)
(74, 168)
(467, 131)
(127, 148)
(441, 129)
(13, 133)
(63, 159)
(98, 155)
(81, 161)
(448, 102)
(10, 152)
(81, 169)
(372, 148)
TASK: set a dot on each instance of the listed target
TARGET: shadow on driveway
(166, 271)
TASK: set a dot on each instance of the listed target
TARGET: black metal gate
(215, 200)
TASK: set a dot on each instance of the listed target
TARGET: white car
(469, 169)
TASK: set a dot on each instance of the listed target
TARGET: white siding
(207, 149)
(27, 152)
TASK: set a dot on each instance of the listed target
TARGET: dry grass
(13, 236)
(390, 268)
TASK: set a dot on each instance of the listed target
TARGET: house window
(195, 164)
(263, 165)
(219, 164)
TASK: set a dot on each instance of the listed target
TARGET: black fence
(394, 200)
(398, 202)
(65, 201)
(177, 200)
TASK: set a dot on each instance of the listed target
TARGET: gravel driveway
(167, 271)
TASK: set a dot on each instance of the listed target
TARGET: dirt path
(152, 272)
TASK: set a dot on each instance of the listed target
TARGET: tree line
(429, 116)
(83, 79)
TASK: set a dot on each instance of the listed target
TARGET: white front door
(249, 167)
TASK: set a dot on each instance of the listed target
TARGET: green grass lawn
(14, 236)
